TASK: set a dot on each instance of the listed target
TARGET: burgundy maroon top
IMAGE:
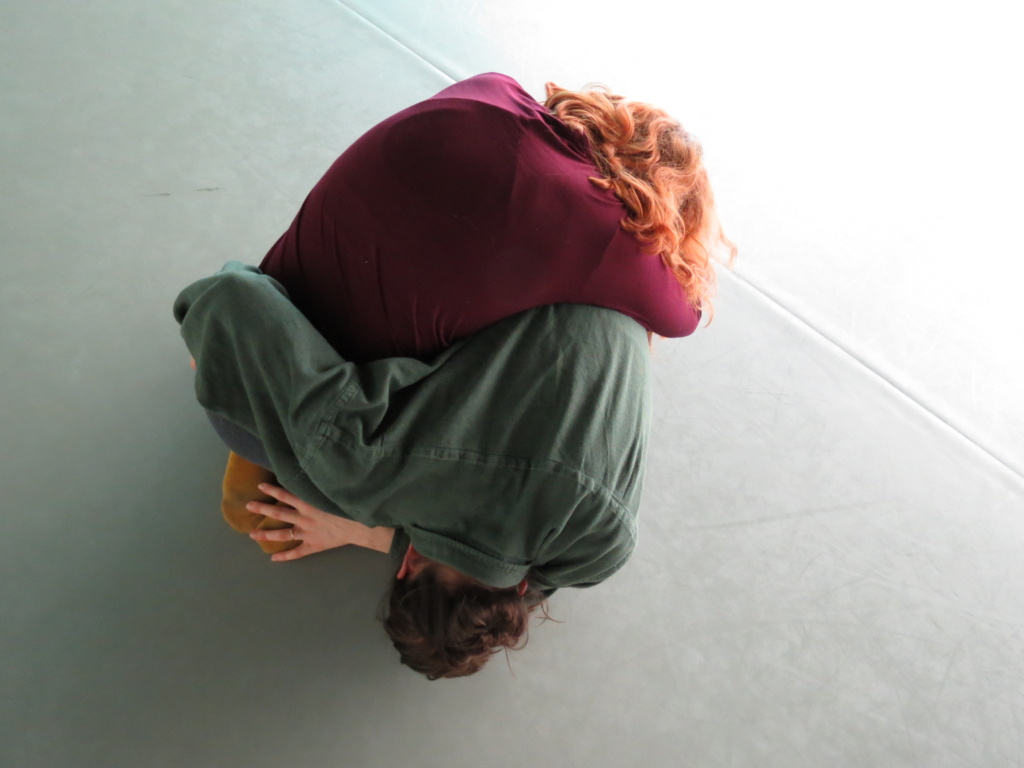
(455, 213)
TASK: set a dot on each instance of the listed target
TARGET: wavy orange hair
(656, 169)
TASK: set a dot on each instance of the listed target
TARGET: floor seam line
(419, 55)
(990, 453)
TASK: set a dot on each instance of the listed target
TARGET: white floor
(832, 564)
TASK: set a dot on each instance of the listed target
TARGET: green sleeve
(264, 367)
(596, 542)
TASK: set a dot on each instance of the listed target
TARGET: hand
(192, 363)
(316, 529)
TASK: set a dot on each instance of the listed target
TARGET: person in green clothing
(504, 468)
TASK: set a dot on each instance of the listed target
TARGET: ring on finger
(291, 534)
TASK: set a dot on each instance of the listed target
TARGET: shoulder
(469, 119)
(497, 94)
(490, 88)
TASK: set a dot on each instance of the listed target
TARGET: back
(458, 212)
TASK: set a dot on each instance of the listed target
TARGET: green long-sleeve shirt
(516, 453)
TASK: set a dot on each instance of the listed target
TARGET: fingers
(292, 554)
(280, 494)
(284, 514)
(274, 534)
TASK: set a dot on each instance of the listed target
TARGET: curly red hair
(655, 167)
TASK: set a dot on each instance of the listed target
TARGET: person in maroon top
(460, 211)
(467, 208)
(480, 203)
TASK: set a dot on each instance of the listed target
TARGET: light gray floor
(831, 566)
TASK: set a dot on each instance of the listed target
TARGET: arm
(262, 366)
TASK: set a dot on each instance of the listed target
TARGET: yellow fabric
(241, 479)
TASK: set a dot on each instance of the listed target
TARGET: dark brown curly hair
(450, 628)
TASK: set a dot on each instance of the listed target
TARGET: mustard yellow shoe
(241, 481)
